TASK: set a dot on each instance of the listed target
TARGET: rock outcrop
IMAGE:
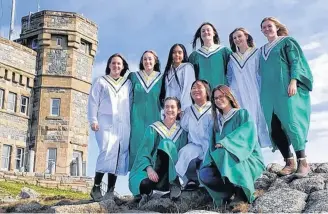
(286, 194)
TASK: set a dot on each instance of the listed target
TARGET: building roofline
(17, 46)
(53, 13)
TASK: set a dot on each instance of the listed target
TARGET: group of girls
(172, 132)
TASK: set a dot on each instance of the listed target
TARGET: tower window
(11, 105)
(59, 41)
(34, 44)
(55, 107)
(85, 46)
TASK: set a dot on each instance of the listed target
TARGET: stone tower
(66, 45)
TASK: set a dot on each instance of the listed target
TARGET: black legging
(281, 140)
(111, 180)
(280, 137)
(162, 167)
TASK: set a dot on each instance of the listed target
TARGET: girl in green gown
(286, 80)
(234, 159)
(146, 88)
(211, 60)
(154, 166)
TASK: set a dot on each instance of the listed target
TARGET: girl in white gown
(197, 121)
(109, 117)
(243, 79)
(178, 76)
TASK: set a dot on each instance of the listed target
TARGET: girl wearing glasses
(234, 159)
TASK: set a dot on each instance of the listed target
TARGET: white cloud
(311, 46)
(319, 67)
(319, 120)
(98, 69)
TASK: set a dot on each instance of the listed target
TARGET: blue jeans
(191, 173)
(211, 178)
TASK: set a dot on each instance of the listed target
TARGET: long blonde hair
(250, 41)
(283, 31)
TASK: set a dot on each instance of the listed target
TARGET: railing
(103, 188)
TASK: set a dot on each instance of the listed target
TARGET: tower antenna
(38, 2)
(12, 21)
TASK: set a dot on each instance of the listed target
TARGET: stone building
(17, 73)
(65, 46)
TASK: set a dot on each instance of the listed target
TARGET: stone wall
(17, 73)
(79, 121)
(53, 128)
(13, 127)
(35, 116)
(83, 66)
(59, 21)
(87, 28)
(80, 184)
(57, 62)
(17, 56)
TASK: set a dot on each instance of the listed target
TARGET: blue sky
(131, 27)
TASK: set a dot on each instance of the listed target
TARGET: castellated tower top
(66, 43)
(60, 22)
(37, 29)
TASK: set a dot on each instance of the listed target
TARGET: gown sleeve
(144, 154)
(257, 67)
(131, 89)
(183, 140)
(242, 140)
(193, 60)
(298, 64)
(189, 78)
(94, 101)
(226, 57)
(130, 93)
(185, 120)
(229, 73)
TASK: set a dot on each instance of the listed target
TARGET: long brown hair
(125, 64)
(157, 65)
(197, 35)
(228, 94)
(250, 41)
(283, 31)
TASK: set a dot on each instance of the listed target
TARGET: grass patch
(14, 188)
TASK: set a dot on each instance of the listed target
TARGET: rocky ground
(275, 194)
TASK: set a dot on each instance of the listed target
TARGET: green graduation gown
(240, 160)
(281, 61)
(157, 136)
(211, 64)
(145, 108)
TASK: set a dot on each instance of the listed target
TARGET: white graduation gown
(109, 106)
(243, 79)
(186, 76)
(197, 121)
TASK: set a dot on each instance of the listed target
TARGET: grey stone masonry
(59, 21)
(83, 66)
(57, 61)
(79, 121)
(13, 127)
(17, 56)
